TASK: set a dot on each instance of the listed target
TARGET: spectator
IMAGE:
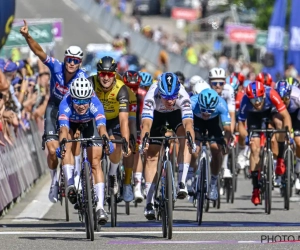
(191, 55)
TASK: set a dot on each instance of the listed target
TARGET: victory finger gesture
(24, 29)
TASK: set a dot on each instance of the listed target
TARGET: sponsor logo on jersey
(149, 104)
(63, 117)
(62, 89)
(99, 116)
(93, 108)
(133, 107)
(67, 110)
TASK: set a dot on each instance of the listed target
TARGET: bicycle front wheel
(287, 175)
(234, 177)
(89, 202)
(201, 189)
(169, 199)
(269, 182)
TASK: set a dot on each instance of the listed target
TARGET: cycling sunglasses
(80, 101)
(72, 59)
(257, 100)
(169, 98)
(216, 83)
(207, 111)
(106, 73)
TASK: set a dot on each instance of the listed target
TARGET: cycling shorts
(51, 122)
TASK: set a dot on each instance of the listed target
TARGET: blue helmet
(208, 99)
(283, 88)
(168, 85)
(233, 81)
(146, 79)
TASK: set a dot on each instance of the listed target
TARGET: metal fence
(20, 166)
(143, 47)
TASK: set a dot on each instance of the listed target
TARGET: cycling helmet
(283, 88)
(217, 73)
(81, 88)
(246, 83)
(133, 67)
(264, 78)
(233, 81)
(255, 89)
(74, 51)
(239, 76)
(194, 80)
(180, 76)
(107, 63)
(208, 99)
(199, 87)
(132, 79)
(293, 81)
(146, 79)
(168, 85)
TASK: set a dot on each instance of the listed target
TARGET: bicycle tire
(201, 189)
(227, 189)
(287, 193)
(113, 206)
(87, 225)
(219, 197)
(66, 204)
(169, 199)
(104, 170)
(207, 202)
(89, 198)
(127, 208)
(269, 182)
(234, 177)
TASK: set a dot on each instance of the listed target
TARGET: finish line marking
(143, 232)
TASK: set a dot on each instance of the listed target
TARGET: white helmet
(81, 88)
(195, 79)
(74, 51)
(217, 73)
(199, 87)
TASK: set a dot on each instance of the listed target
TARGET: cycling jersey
(68, 114)
(153, 103)
(238, 99)
(294, 100)
(115, 100)
(58, 86)
(271, 100)
(228, 95)
(221, 110)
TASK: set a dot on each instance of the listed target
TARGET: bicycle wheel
(89, 204)
(169, 199)
(287, 175)
(127, 208)
(66, 203)
(201, 189)
(113, 208)
(219, 197)
(207, 185)
(234, 177)
(104, 170)
(269, 182)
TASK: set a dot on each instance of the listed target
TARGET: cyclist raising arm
(62, 75)
(80, 107)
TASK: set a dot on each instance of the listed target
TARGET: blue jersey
(68, 114)
(272, 100)
(221, 110)
(58, 86)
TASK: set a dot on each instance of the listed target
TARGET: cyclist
(132, 80)
(293, 81)
(166, 101)
(146, 81)
(209, 109)
(290, 95)
(62, 75)
(114, 96)
(257, 105)
(180, 76)
(217, 80)
(81, 106)
(199, 86)
(265, 79)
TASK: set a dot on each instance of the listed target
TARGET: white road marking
(71, 4)
(105, 35)
(147, 232)
(86, 18)
(40, 205)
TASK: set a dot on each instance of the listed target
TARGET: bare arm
(4, 85)
(188, 126)
(232, 119)
(124, 126)
(286, 119)
(146, 127)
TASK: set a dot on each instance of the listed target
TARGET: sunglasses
(106, 73)
(257, 100)
(80, 101)
(169, 98)
(72, 59)
(216, 83)
(207, 111)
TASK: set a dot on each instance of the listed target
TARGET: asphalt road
(35, 223)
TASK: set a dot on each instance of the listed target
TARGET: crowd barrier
(140, 45)
(20, 166)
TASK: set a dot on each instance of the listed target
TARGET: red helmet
(239, 76)
(264, 78)
(132, 79)
(255, 89)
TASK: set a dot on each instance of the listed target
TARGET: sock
(214, 179)
(137, 180)
(113, 168)
(225, 162)
(99, 189)
(128, 175)
(69, 174)
(150, 188)
(184, 172)
(53, 173)
(254, 176)
(180, 170)
(280, 149)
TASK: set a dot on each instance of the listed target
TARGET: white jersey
(153, 102)
(294, 100)
(228, 95)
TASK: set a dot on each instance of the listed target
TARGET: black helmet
(180, 76)
(107, 63)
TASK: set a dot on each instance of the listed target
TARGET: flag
(275, 42)
(294, 45)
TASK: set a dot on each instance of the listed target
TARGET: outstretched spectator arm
(4, 85)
